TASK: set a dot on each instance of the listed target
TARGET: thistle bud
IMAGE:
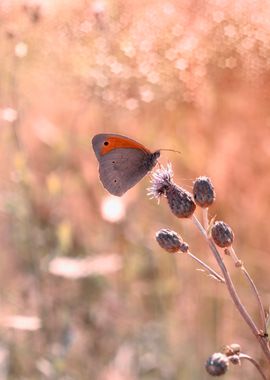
(217, 364)
(171, 241)
(222, 234)
(203, 192)
(180, 201)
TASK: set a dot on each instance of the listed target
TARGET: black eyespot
(113, 162)
(115, 181)
(106, 143)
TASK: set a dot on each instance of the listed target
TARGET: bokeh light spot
(113, 209)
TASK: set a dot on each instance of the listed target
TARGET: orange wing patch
(120, 142)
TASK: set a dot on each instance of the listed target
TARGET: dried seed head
(171, 241)
(222, 234)
(161, 180)
(203, 192)
(217, 364)
(180, 201)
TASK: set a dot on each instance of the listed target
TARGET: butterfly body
(122, 161)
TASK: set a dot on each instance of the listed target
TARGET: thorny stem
(255, 363)
(254, 288)
(241, 308)
(209, 269)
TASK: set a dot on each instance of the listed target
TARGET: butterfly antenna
(172, 150)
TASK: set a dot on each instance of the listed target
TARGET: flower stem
(255, 363)
(209, 269)
(205, 218)
(253, 287)
(241, 308)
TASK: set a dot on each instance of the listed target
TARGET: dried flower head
(171, 241)
(217, 364)
(222, 234)
(180, 201)
(203, 192)
(161, 180)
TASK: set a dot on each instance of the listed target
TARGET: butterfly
(123, 162)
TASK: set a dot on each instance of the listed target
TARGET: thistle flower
(161, 180)
(170, 241)
(222, 234)
(203, 191)
(180, 201)
(217, 364)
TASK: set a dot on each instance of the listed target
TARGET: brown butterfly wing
(121, 169)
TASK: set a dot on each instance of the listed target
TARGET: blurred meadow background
(86, 292)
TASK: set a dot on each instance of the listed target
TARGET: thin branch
(254, 288)
(261, 308)
(205, 266)
(255, 363)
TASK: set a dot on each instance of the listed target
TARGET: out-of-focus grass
(190, 76)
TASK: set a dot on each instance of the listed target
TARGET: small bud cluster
(233, 352)
(232, 349)
(183, 204)
(218, 363)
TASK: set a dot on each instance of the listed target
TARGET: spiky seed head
(180, 201)
(203, 191)
(222, 234)
(217, 364)
(170, 241)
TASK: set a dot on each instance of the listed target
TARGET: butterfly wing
(121, 169)
(122, 161)
(103, 143)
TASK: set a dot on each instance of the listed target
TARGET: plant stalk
(241, 308)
